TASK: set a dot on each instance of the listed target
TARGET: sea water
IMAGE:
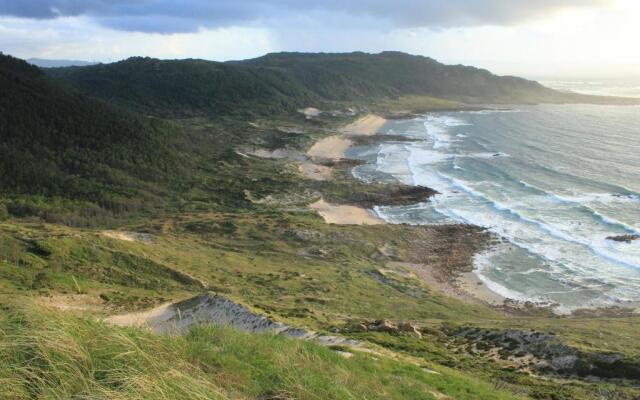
(554, 181)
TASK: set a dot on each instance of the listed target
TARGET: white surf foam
(574, 253)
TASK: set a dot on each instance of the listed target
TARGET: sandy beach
(334, 147)
(365, 126)
(345, 215)
(466, 286)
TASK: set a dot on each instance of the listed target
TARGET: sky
(573, 39)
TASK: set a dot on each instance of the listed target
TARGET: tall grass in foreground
(55, 356)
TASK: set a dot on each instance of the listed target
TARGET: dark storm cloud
(168, 16)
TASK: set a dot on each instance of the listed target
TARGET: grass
(55, 356)
(290, 266)
(415, 103)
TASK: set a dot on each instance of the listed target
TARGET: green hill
(58, 142)
(355, 76)
(188, 87)
(283, 82)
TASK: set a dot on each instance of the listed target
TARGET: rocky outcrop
(387, 195)
(211, 308)
(383, 326)
(545, 353)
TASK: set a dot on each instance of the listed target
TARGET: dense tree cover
(284, 81)
(189, 87)
(55, 141)
(358, 75)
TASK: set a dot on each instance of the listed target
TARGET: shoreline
(465, 286)
(331, 150)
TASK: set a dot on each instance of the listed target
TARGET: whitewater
(556, 182)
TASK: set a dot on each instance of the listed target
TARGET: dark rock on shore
(376, 139)
(392, 195)
(624, 238)
(399, 115)
(340, 163)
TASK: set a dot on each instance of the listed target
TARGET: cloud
(80, 38)
(170, 16)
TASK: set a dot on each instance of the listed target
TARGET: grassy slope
(254, 258)
(47, 355)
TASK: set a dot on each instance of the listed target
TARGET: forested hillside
(183, 88)
(282, 82)
(359, 75)
(58, 142)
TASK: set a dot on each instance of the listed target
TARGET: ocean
(606, 87)
(555, 182)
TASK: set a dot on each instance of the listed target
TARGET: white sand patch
(365, 126)
(332, 147)
(72, 302)
(345, 215)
